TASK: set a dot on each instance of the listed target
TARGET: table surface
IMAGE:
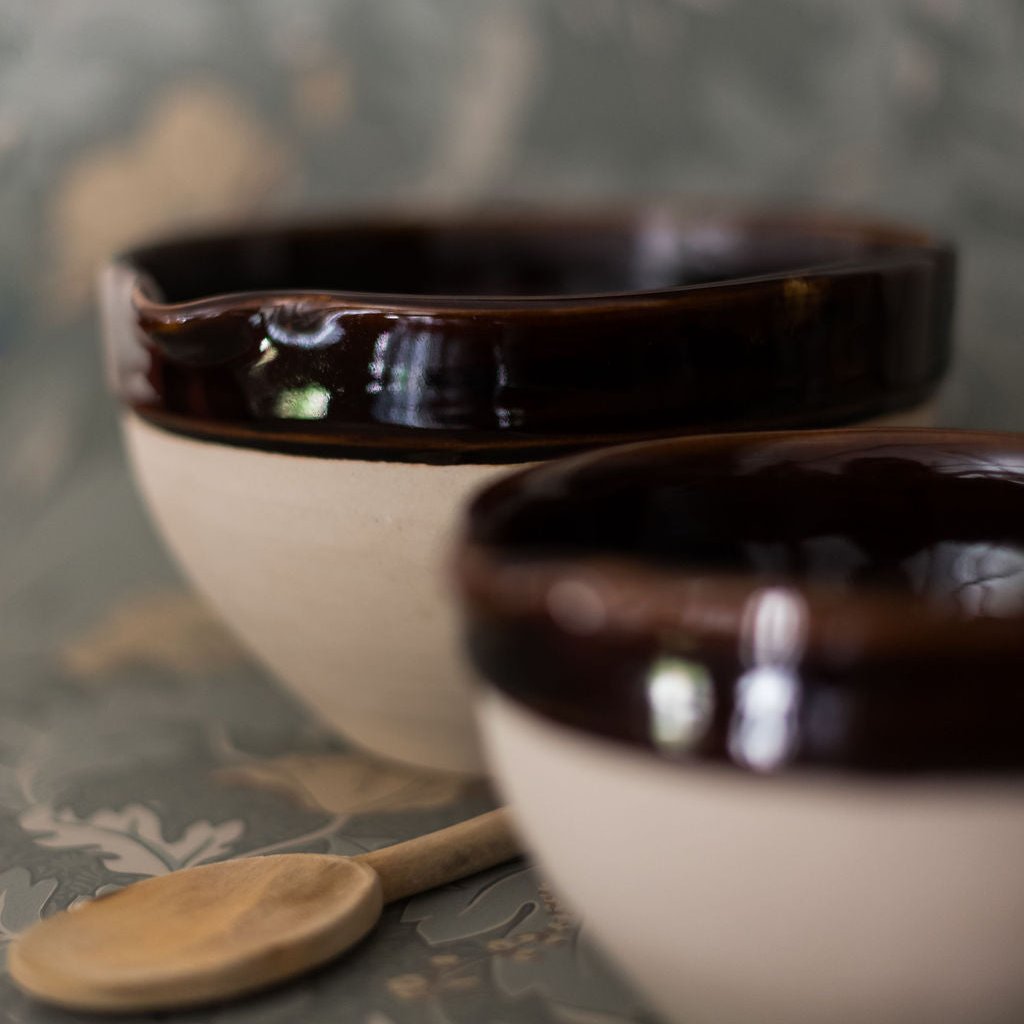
(137, 738)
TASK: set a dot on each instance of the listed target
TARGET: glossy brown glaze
(506, 340)
(842, 598)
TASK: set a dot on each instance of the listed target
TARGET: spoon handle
(440, 857)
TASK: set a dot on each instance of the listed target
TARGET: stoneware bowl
(757, 702)
(306, 407)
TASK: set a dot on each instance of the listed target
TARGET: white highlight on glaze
(774, 627)
(268, 353)
(763, 729)
(681, 700)
(317, 330)
(808, 897)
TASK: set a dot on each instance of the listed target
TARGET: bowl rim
(678, 610)
(509, 379)
(482, 576)
(896, 243)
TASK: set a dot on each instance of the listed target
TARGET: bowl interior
(495, 257)
(933, 518)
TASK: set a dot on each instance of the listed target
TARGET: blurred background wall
(124, 118)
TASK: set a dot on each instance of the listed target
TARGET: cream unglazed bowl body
(307, 407)
(757, 704)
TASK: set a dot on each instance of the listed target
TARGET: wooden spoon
(222, 930)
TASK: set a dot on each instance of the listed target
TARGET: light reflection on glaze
(681, 699)
(268, 353)
(304, 326)
(988, 580)
(309, 402)
(406, 378)
(975, 578)
(378, 364)
(412, 378)
(763, 730)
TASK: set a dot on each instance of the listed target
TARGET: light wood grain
(223, 930)
(439, 857)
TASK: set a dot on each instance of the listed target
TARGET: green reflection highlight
(310, 402)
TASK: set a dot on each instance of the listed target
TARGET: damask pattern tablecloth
(148, 743)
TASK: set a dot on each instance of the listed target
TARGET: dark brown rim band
(882, 680)
(848, 322)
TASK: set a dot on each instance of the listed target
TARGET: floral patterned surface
(154, 746)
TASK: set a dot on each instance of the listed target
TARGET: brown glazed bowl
(758, 703)
(306, 406)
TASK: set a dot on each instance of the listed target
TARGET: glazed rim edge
(516, 586)
(678, 613)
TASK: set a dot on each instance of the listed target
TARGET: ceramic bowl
(306, 407)
(757, 703)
